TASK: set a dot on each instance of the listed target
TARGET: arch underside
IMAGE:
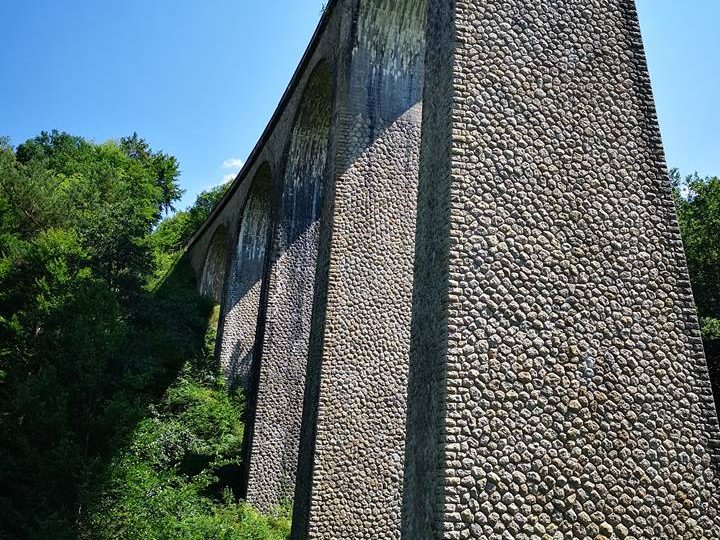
(242, 305)
(213, 275)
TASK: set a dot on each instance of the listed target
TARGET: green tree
(114, 422)
(175, 231)
(75, 255)
(165, 169)
(698, 205)
(111, 195)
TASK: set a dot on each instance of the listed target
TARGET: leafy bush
(177, 477)
(710, 328)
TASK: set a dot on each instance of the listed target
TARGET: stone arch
(276, 397)
(242, 302)
(306, 160)
(213, 275)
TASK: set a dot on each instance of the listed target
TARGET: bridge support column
(242, 298)
(350, 475)
(558, 387)
(278, 382)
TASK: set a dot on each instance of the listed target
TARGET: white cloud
(233, 166)
(233, 163)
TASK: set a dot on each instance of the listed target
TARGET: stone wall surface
(283, 358)
(360, 423)
(576, 396)
(272, 150)
(422, 496)
(474, 319)
(212, 278)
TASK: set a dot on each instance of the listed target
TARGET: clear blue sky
(199, 79)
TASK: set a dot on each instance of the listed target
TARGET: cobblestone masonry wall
(360, 427)
(242, 300)
(557, 385)
(213, 274)
(274, 453)
(576, 396)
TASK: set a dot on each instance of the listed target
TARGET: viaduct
(453, 286)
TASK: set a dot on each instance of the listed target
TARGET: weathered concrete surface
(539, 373)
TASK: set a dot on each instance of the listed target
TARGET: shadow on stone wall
(277, 377)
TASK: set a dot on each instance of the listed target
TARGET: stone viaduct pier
(453, 286)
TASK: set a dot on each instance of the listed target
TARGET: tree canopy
(698, 205)
(108, 384)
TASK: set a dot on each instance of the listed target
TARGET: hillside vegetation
(114, 423)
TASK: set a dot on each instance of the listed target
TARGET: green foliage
(176, 231)
(698, 205)
(710, 328)
(109, 195)
(113, 423)
(165, 169)
(177, 475)
(176, 478)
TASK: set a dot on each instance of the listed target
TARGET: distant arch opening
(242, 304)
(213, 276)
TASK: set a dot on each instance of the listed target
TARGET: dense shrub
(177, 476)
